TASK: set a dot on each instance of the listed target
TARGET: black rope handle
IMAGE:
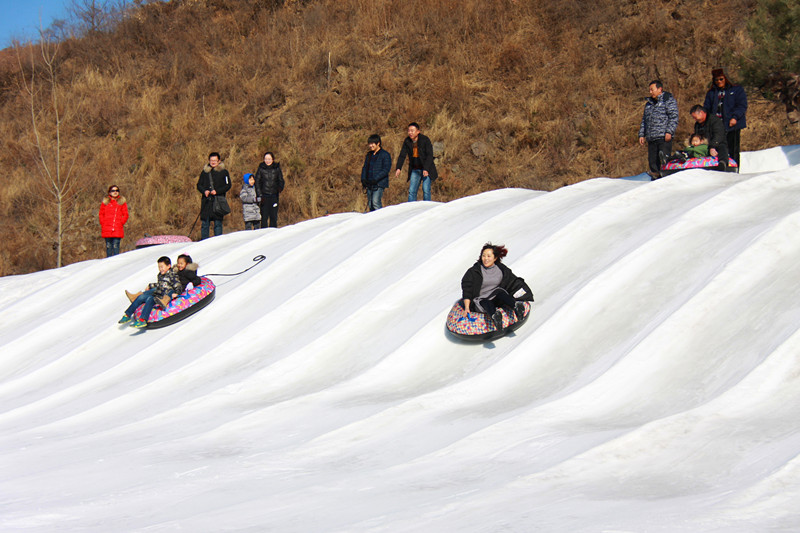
(258, 259)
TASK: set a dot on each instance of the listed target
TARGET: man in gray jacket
(659, 122)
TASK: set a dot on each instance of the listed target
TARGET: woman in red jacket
(113, 215)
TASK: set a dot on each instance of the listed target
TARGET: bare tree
(54, 162)
(92, 16)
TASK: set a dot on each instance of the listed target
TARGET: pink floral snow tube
(184, 305)
(696, 162)
(161, 239)
(477, 326)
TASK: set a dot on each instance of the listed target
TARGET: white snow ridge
(656, 386)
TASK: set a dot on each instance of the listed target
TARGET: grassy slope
(554, 89)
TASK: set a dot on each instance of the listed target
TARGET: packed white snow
(656, 386)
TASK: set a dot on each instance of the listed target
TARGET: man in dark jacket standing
(419, 150)
(659, 122)
(214, 181)
(375, 172)
(728, 102)
(711, 127)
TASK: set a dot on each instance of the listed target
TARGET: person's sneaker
(124, 320)
(519, 310)
(132, 295)
(139, 324)
(497, 318)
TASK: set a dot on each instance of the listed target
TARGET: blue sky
(21, 18)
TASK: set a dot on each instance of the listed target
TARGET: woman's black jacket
(269, 180)
(473, 278)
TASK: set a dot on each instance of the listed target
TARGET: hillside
(553, 91)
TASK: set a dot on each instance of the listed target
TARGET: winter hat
(247, 178)
(715, 73)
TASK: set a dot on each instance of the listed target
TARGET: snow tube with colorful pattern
(671, 167)
(144, 242)
(479, 326)
(181, 307)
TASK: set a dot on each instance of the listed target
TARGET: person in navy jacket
(728, 102)
(375, 172)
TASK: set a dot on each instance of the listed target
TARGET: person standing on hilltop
(269, 185)
(113, 215)
(659, 122)
(728, 102)
(214, 180)
(421, 168)
(375, 172)
(250, 209)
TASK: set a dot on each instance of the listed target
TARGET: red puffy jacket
(113, 214)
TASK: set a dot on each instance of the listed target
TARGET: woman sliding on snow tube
(488, 284)
(495, 301)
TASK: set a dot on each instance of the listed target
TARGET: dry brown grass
(555, 89)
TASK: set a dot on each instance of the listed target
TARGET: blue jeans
(204, 227)
(374, 197)
(413, 186)
(112, 246)
(145, 298)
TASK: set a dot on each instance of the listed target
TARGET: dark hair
(719, 72)
(413, 124)
(693, 135)
(499, 250)
(113, 187)
(164, 259)
(185, 257)
(696, 108)
(374, 138)
(657, 83)
(214, 154)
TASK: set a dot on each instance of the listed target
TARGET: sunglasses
(114, 190)
(721, 78)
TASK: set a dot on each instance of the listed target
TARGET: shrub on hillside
(773, 28)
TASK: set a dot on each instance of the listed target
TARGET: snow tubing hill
(709, 162)
(144, 242)
(181, 307)
(479, 326)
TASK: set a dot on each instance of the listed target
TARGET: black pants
(733, 137)
(498, 297)
(269, 211)
(722, 157)
(653, 148)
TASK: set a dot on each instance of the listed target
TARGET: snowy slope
(656, 386)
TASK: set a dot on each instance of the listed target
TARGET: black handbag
(219, 206)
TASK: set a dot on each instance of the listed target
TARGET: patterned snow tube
(181, 307)
(671, 167)
(161, 239)
(479, 326)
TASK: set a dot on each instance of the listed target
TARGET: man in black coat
(419, 150)
(712, 128)
(214, 181)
